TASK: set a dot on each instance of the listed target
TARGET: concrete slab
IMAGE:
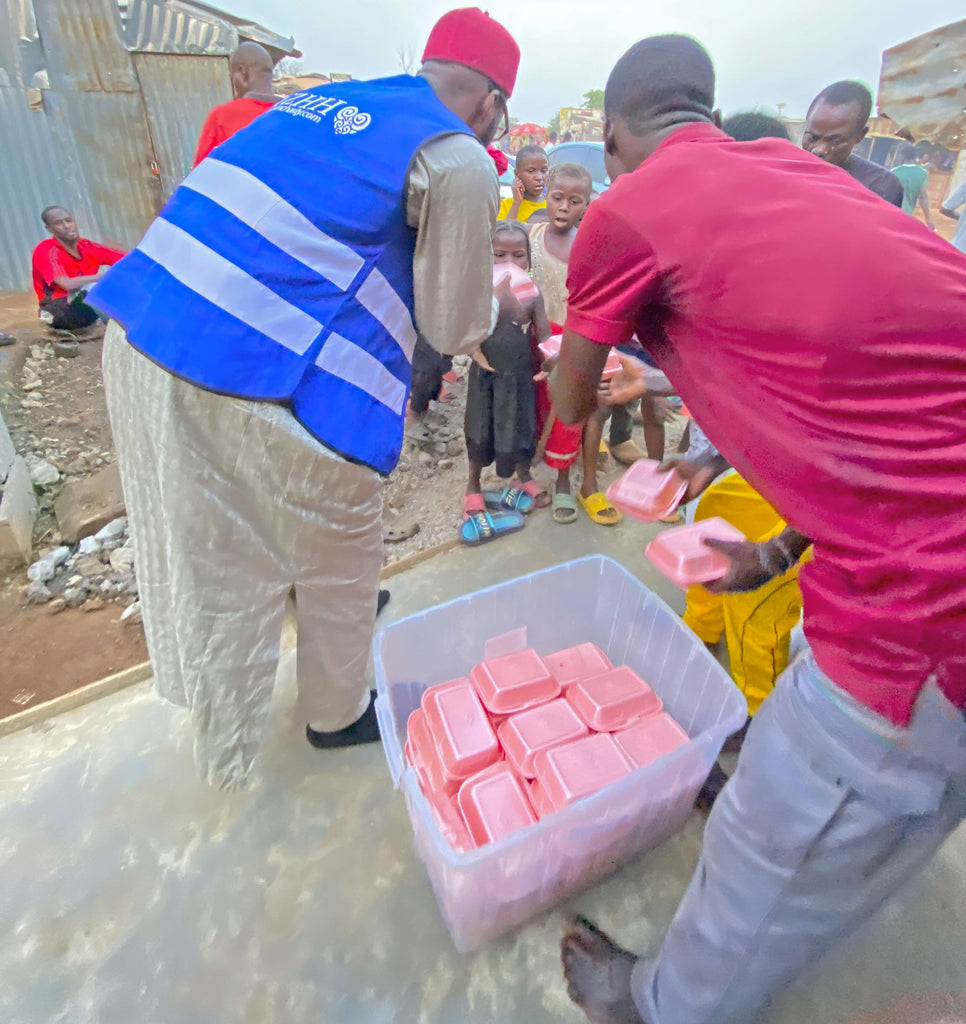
(131, 892)
(85, 506)
(18, 510)
(7, 451)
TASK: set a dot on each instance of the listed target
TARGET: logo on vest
(349, 120)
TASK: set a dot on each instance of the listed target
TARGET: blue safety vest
(282, 267)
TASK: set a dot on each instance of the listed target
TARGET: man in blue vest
(258, 367)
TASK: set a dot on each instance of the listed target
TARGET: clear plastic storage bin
(487, 891)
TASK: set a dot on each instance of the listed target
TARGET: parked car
(589, 155)
(506, 178)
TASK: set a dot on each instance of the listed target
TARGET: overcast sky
(766, 51)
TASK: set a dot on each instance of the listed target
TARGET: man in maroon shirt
(817, 335)
(251, 69)
(64, 267)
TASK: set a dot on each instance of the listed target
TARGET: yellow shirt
(526, 210)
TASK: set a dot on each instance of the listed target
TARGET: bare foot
(598, 974)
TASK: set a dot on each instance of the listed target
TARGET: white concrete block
(7, 453)
(18, 510)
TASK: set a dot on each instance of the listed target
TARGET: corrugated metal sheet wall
(36, 170)
(179, 91)
(94, 94)
(87, 144)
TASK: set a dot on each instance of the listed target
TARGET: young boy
(568, 196)
(529, 179)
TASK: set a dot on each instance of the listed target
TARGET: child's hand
(541, 376)
(481, 361)
(510, 306)
(518, 188)
(629, 384)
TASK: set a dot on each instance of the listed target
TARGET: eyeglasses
(502, 99)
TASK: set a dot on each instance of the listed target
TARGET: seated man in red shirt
(64, 267)
(801, 329)
(251, 69)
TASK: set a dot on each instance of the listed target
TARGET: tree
(594, 99)
(407, 59)
(553, 125)
(288, 67)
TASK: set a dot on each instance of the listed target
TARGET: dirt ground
(44, 655)
(428, 485)
(64, 421)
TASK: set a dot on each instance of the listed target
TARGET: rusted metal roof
(922, 85)
(184, 26)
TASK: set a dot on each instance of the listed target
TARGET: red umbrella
(528, 128)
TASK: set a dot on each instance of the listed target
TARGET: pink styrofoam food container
(464, 738)
(613, 699)
(567, 773)
(650, 738)
(514, 682)
(612, 367)
(646, 493)
(685, 559)
(524, 735)
(494, 803)
(450, 820)
(579, 662)
(538, 799)
(520, 283)
(423, 756)
(551, 348)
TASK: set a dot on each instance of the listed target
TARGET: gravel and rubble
(96, 573)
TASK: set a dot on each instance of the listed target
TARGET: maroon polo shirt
(818, 336)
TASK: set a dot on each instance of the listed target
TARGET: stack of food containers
(649, 492)
(524, 737)
(490, 873)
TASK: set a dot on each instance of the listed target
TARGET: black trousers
(621, 423)
(428, 369)
(69, 314)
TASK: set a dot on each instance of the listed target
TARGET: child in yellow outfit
(757, 625)
(529, 181)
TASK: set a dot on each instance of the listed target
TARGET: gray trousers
(232, 506)
(830, 811)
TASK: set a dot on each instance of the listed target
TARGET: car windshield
(590, 157)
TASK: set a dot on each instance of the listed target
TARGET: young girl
(500, 423)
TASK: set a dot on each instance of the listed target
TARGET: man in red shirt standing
(817, 335)
(64, 267)
(251, 69)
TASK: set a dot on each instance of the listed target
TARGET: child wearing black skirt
(500, 423)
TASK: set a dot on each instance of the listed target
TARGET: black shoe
(711, 790)
(382, 600)
(364, 730)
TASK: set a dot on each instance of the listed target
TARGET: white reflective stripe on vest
(265, 211)
(347, 361)
(381, 300)
(230, 288)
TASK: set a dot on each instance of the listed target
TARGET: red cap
(472, 38)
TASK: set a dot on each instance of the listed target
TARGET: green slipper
(564, 509)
